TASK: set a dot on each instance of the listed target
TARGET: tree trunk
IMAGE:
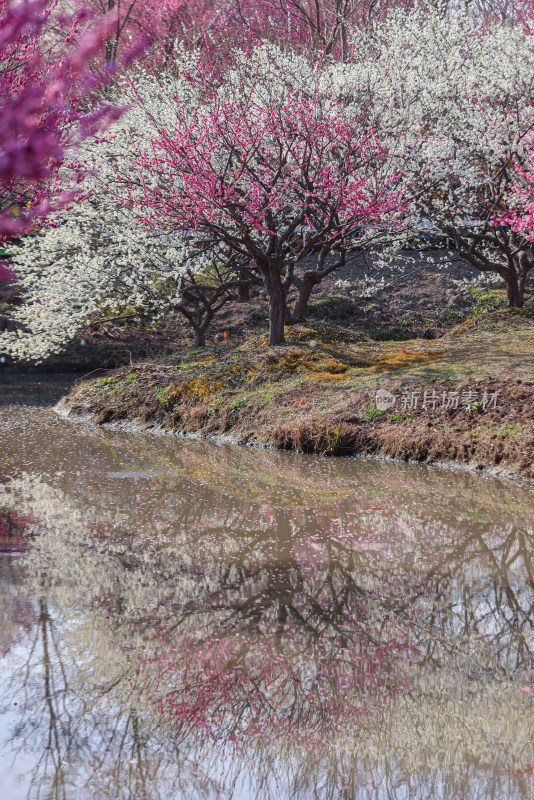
(243, 290)
(300, 311)
(514, 291)
(200, 338)
(277, 305)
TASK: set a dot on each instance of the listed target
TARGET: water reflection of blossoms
(376, 653)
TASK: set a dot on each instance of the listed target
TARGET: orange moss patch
(195, 389)
(317, 377)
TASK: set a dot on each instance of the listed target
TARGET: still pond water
(185, 620)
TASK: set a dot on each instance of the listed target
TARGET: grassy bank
(318, 393)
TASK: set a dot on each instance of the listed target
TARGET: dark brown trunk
(277, 306)
(111, 42)
(514, 291)
(300, 310)
(243, 293)
(200, 338)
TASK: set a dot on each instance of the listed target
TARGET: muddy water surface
(185, 620)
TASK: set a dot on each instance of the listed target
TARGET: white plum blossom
(97, 255)
(454, 97)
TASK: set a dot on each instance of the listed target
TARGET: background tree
(202, 295)
(312, 26)
(460, 95)
(162, 26)
(96, 262)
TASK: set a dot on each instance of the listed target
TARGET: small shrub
(477, 406)
(370, 413)
(237, 404)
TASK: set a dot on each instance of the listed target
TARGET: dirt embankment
(467, 397)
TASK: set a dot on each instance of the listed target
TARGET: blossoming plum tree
(271, 176)
(94, 258)
(460, 94)
(267, 164)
